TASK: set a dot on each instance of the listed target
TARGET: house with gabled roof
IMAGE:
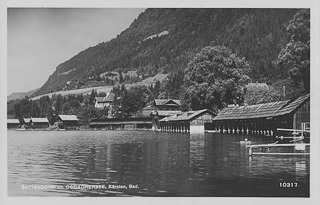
(104, 102)
(169, 104)
(163, 107)
(265, 118)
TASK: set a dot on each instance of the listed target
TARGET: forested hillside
(207, 58)
(166, 40)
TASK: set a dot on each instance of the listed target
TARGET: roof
(167, 112)
(187, 116)
(99, 99)
(120, 123)
(68, 117)
(262, 110)
(26, 119)
(257, 85)
(110, 97)
(167, 102)
(13, 121)
(40, 120)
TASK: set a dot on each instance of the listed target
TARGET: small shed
(39, 123)
(13, 123)
(191, 121)
(68, 122)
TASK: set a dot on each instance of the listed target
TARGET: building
(265, 118)
(122, 123)
(39, 123)
(27, 123)
(191, 121)
(13, 123)
(68, 122)
(164, 108)
(163, 104)
(104, 102)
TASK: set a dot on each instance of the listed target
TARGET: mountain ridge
(256, 34)
(20, 95)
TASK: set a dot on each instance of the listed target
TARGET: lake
(145, 163)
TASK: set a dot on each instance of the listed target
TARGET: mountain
(165, 40)
(20, 95)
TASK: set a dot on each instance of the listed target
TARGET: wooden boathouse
(68, 122)
(13, 123)
(39, 123)
(122, 123)
(191, 121)
(264, 118)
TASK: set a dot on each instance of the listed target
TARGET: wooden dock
(301, 146)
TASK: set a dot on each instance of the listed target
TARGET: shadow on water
(149, 164)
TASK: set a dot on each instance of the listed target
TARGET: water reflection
(158, 164)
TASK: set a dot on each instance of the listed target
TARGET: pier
(191, 121)
(298, 146)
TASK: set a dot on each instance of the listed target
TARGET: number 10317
(288, 184)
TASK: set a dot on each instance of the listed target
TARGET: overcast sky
(41, 39)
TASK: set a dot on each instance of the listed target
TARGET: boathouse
(264, 118)
(13, 123)
(27, 123)
(68, 122)
(191, 121)
(122, 123)
(39, 123)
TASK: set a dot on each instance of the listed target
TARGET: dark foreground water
(142, 163)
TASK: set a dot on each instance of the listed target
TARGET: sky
(40, 39)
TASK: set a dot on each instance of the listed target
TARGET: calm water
(142, 163)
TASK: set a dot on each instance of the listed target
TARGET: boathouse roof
(187, 116)
(261, 110)
(68, 117)
(44, 119)
(13, 121)
(168, 112)
(26, 120)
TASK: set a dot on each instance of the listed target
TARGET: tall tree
(45, 106)
(295, 57)
(35, 110)
(120, 76)
(134, 99)
(92, 97)
(57, 102)
(25, 107)
(215, 77)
